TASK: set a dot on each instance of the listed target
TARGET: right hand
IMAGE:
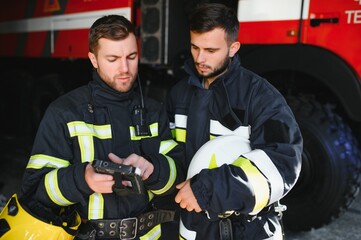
(98, 182)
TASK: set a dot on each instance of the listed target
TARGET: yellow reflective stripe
(39, 161)
(150, 195)
(96, 206)
(166, 146)
(85, 133)
(263, 162)
(180, 135)
(180, 238)
(86, 144)
(53, 190)
(257, 181)
(153, 130)
(153, 234)
(172, 177)
(78, 128)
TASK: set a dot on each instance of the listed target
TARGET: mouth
(123, 78)
(202, 67)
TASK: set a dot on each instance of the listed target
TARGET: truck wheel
(331, 164)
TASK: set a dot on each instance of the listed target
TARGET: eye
(132, 56)
(112, 59)
(194, 47)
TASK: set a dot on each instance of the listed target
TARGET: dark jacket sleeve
(266, 173)
(52, 177)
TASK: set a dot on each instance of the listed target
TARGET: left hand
(185, 197)
(135, 160)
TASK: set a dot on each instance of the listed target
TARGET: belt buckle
(128, 228)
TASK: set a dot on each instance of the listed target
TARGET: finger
(114, 158)
(180, 185)
(178, 198)
(189, 208)
(100, 177)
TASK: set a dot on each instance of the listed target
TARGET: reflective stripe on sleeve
(39, 161)
(96, 206)
(166, 146)
(53, 190)
(172, 177)
(257, 181)
(267, 167)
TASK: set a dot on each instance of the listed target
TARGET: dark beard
(219, 70)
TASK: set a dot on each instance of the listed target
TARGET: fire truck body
(308, 49)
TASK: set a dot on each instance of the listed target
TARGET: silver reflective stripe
(53, 190)
(85, 133)
(39, 161)
(185, 233)
(216, 128)
(96, 206)
(180, 121)
(166, 146)
(153, 234)
(172, 177)
(270, 171)
(78, 128)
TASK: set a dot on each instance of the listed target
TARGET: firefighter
(238, 197)
(109, 120)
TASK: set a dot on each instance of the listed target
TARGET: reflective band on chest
(85, 133)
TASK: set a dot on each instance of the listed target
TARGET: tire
(331, 163)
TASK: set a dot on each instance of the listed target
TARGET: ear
(234, 48)
(93, 59)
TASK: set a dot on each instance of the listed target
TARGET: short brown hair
(114, 27)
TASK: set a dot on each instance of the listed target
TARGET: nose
(200, 57)
(123, 65)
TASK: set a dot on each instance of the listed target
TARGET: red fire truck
(309, 49)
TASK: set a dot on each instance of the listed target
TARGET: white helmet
(218, 151)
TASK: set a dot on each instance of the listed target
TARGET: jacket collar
(102, 93)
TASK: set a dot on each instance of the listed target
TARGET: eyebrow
(132, 53)
(209, 48)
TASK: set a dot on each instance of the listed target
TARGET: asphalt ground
(15, 152)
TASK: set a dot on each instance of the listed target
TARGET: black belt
(128, 228)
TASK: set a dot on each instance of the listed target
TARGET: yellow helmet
(17, 223)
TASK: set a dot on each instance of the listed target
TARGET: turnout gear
(238, 103)
(19, 223)
(86, 124)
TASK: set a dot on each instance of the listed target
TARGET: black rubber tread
(331, 167)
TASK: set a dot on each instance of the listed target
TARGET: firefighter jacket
(86, 124)
(237, 102)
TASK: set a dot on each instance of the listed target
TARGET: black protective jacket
(87, 124)
(242, 103)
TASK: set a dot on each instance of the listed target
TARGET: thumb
(114, 158)
(179, 186)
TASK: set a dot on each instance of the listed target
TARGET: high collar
(196, 80)
(102, 93)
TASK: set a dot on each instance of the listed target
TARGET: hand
(100, 183)
(135, 160)
(185, 197)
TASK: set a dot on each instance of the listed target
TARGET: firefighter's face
(211, 52)
(117, 62)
